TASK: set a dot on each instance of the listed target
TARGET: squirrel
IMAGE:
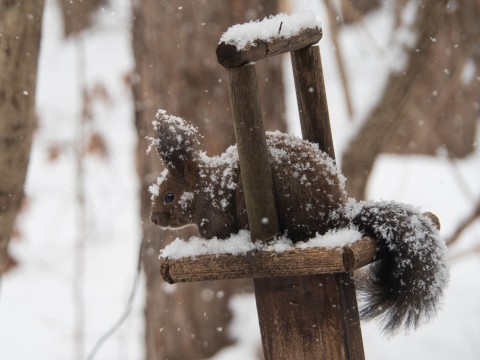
(404, 285)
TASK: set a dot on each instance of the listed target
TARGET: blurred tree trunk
(20, 32)
(78, 14)
(433, 105)
(176, 69)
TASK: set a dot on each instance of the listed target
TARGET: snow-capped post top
(249, 42)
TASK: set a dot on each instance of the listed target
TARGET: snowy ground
(39, 299)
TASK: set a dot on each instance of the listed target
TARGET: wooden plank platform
(270, 264)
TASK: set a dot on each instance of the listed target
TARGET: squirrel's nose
(154, 218)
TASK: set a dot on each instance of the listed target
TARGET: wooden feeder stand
(306, 299)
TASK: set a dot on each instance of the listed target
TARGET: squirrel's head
(173, 194)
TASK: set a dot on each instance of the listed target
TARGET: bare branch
(475, 214)
(334, 28)
(461, 254)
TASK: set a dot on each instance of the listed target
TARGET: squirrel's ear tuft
(177, 141)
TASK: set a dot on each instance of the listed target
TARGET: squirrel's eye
(169, 197)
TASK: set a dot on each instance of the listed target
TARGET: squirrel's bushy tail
(406, 282)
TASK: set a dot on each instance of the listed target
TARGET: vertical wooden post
(252, 152)
(312, 98)
(307, 317)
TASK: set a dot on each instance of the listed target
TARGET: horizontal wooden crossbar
(229, 56)
(269, 264)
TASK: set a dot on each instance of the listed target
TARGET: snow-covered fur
(408, 277)
(405, 283)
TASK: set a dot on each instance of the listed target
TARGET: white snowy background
(42, 300)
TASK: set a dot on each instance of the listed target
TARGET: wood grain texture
(307, 320)
(253, 154)
(229, 56)
(265, 264)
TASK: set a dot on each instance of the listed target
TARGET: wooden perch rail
(229, 56)
(270, 264)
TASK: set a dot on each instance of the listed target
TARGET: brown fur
(299, 218)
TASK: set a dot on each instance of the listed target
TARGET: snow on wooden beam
(269, 264)
(245, 43)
